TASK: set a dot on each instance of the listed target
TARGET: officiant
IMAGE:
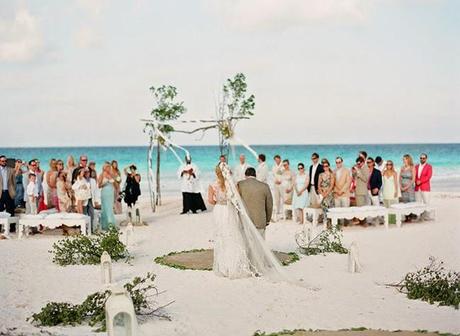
(190, 187)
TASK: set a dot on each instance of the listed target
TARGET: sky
(78, 72)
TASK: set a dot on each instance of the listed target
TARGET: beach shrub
(327, 241)
(88, 250)
(433, 284)
(92, 309)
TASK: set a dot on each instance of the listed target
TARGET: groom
(258, 200)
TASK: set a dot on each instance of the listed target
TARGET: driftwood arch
(227, 137)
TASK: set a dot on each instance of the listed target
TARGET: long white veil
(262, 260)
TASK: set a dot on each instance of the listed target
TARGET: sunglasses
(422, 158)
(338, 162)
(326, 165)
(299, 168)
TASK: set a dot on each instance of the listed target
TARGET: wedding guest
(132, 192)
(424, 172)
(32, 194)
(94, 198)
(105, 181)
(63, 192)
(287, 186)
(262, 169)
(19, 197)
(50, 177)
(7, 186)
(83, 163)
(342, 184)
(41, 183)
(70, 167)
(191, 193)
(326, 182)
(375, 182)
(92, 170)
(360, 173)
(363, 154)
(300, 193)
(38, 185)
(82, 190)
(315, 170)
(132, 189)
(380, 164)
(390, 185)
(278, 189)
(240, 169)
(222, 159)
(117, 187)
(407, 181)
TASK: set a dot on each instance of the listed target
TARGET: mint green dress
(107, 201)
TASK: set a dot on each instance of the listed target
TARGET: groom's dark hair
(250, 172)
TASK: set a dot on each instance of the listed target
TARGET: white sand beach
(209, 305)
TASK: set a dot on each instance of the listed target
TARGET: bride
(239, 251)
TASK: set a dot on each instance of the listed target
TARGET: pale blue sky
(77, 72)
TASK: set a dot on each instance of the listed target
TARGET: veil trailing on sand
(262, 260)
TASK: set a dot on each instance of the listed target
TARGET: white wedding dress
(239, 250)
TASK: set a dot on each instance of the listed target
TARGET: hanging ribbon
(170, 144)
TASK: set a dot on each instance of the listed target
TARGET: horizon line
(216, 145)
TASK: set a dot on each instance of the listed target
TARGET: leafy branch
(92, 309)
(433, 284)
(327, 241)
(88, 249)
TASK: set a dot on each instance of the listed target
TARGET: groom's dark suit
(258, 200)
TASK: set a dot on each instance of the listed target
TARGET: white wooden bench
(5, 220)
(334, 214)
(406, 209)
(53, 221)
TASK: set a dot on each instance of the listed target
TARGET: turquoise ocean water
(445, 158)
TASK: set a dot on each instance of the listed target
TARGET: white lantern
(353, 259)
(119, 314)
(106, 268)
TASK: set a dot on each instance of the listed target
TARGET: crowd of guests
(68, 187)
(369, 182)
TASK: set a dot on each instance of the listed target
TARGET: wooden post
(158, 192)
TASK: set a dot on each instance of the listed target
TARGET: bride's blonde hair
(220, 178)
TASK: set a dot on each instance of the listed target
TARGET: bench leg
(21, 231)
(386, 220)
(398, 219)
(315, 219)
(7, 228)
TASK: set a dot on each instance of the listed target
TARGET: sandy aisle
(207, 305)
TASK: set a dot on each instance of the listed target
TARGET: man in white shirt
(278, 190)
(240, 169)
(38, 185)
(262, 169)
(191, 191)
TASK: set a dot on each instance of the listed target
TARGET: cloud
(86, 37)
(20, 38)
(272, 14)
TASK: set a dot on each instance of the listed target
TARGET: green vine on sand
(88, 249)
(327, 241)
(433, 284)
(92, 309)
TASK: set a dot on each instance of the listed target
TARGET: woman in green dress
(106, 183)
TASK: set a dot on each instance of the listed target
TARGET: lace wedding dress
(240, 251)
